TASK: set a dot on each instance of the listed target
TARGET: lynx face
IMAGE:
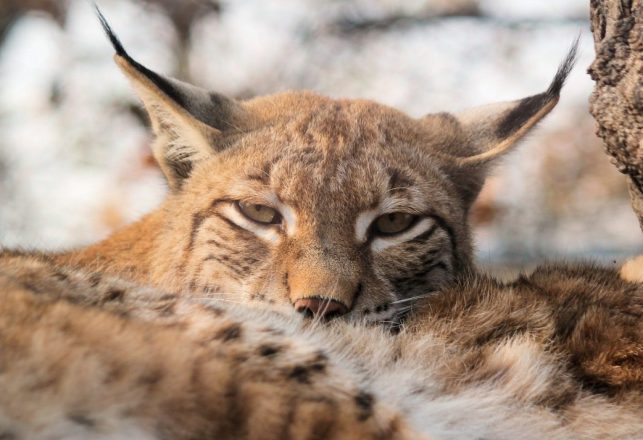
(325, 203)
(333, 207)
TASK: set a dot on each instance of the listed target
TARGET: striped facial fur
(326, 206)
(327, 211)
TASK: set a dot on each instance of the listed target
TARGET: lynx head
(328, 206)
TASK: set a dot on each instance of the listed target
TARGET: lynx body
(256, 301)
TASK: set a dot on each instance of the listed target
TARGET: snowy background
(74, 158)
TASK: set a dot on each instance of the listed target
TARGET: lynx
(332, 207)
(257, 301)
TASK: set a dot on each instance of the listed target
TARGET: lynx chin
(309, 275)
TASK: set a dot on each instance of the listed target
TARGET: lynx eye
(262, 214)
(393, 223)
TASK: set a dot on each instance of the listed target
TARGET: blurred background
(74, 146)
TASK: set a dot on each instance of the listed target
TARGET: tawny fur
(556, 354)
(182, 326)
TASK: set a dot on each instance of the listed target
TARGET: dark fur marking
(423, 237)
(82, 420)
(60, 276)
(8, 435)
(364, 402)
(398, 181)
(300, 373)
(260, 177)
(504, 329)
(218, 244)
(229, 333)
(211, 288)
(181, 168)
(418, 390)
(258, 297)
(225, 261)
(95, 279)
(319, 363)
(382, 308)
(151, 379)
(49, 382)
(114, 374)
(570, 312)
(166, 309)
(560, 400)
(28, 285)
(115, 295)
(197, 221)
(358, 292)
(269, 350)
(442, 223)
(273, 331)
(235, 418)
(417, 278)
(321, 429)
(216, 311)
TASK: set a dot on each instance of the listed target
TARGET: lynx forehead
(331, 206)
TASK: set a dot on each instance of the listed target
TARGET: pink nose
(323, 307)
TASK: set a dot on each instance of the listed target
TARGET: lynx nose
(320, 307)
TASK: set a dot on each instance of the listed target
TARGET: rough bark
(617, 100)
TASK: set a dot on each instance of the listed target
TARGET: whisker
(204, 300)
(413, 298)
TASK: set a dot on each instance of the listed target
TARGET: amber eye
(259, 213)
(393, 223)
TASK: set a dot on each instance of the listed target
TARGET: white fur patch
(363, 222)
(289, 216)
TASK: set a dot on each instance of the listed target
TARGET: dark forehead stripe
(259, 177)
(398, 180)
(262, 174)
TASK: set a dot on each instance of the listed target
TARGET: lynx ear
(493, 130)
(473, 139)
(186, 120)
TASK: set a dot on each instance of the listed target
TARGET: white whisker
(413, 298)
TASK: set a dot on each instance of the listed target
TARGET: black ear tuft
(118, 46)
(164, 84)
(564, 69)
(529, 107)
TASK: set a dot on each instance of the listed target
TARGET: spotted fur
(181, 326)
(555, 354)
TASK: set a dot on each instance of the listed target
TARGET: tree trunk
(617, 100)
